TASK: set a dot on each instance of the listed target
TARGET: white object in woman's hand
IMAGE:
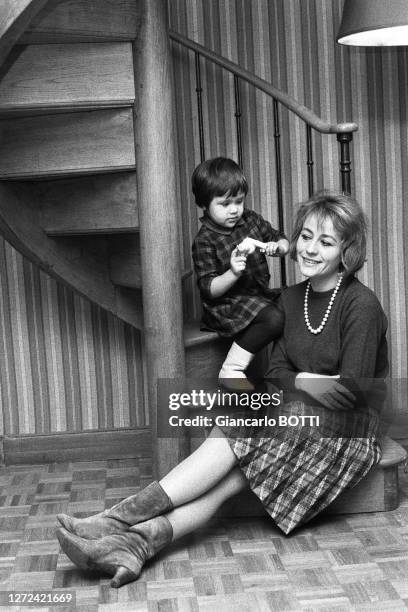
(326, 390)
(248, 246)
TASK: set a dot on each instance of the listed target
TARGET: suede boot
(232, 374)
(121, 555)
(148, 503)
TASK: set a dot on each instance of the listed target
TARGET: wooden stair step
(80, 263)
(378, 491)
(124, 273)
(206, 351)
(68, 76)
(82, 20)
(67, 144)
(96, 204)
(194, 336)
(125, 261)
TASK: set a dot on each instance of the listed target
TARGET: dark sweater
(353, 342)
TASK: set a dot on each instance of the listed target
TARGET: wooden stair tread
(59, 173)
(67, 144)
(132, 277)
(62, 76)
(194, 336)
(378, 490)
(96, 204)
(126, 273)
(125, 265)
(82, 20)
(80, 266)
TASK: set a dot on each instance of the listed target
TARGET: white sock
(236, 362)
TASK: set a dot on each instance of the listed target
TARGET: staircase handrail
(307, 115)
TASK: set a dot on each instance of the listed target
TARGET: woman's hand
(326, 390)
(283, 247)
(276, 249)
(271, 249)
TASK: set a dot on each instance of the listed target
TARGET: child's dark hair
(217, 177)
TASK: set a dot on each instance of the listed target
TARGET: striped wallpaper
(65, 365)
(291, 43)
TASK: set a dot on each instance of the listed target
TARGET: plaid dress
(296, 471)
(212, 248)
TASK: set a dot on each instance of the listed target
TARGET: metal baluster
(279, 193)
(238, 115)
(310, 161)
(345, 161)
(199, 91)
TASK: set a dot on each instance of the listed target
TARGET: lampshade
(374, 23)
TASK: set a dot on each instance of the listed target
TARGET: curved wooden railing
(344, 131)
(301, 111)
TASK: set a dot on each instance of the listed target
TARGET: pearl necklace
(317, 330)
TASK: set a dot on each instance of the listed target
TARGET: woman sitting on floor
(333, 345)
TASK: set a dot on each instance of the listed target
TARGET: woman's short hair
(217, 177)
(348, 220)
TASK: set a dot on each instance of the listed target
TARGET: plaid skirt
(296, 472)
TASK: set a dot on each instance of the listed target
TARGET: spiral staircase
(88, 179)
(85, 164)
(88, 167)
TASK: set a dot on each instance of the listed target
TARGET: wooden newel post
(159, 230)
(344, 139)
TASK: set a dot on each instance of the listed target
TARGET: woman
(332, 348)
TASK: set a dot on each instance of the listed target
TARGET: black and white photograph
(203, 317)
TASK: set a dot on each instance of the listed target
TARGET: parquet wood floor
(355, 562)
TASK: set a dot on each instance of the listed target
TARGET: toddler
(232, 272)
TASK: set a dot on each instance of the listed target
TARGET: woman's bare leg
(197, 513)
(201, 471)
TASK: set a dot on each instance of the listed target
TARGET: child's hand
(247, 246)
(237, 262)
